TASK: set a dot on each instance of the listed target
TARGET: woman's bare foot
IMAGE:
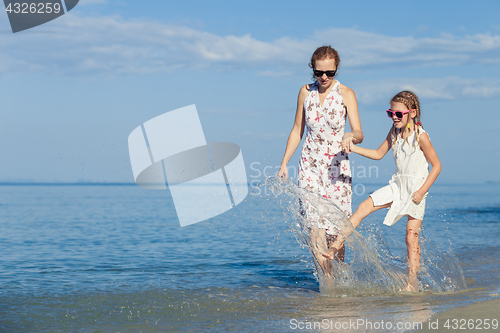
(318, 246)
(322, 264)
(333, 248)
(330, 254)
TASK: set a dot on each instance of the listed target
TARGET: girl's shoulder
(423, 138)
(421, 132)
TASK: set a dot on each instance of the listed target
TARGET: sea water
(87, 258)
(370, 267)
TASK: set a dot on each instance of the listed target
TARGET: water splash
(370, 268)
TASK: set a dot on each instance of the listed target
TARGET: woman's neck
(322, 89)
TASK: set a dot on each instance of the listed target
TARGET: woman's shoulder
(306, 89)
(346, 91)
(303, 93)
(347, 94)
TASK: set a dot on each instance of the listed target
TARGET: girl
(405, 195)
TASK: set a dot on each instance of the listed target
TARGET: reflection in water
(371, 269)
(363, 314)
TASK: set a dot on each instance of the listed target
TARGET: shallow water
(370, 268)
(114, 258)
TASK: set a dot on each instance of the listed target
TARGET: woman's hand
(417, 197)
(347, 144)
(283, 171)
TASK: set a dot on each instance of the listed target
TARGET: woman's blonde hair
(410, 100)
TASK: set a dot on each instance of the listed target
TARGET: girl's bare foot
(410, 288)
(412, 285)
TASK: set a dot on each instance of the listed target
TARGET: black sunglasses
(328, 73)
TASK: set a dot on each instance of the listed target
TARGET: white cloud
(271, 73)
(113, 45)
(435, 88)
(91, 2)
(360, 48)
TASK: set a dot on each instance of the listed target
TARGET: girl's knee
(367, 205)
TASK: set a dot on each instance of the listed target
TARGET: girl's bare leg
(364, 209)
(413, 245)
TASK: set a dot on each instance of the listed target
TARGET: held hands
(417, 197)
(283, 171)
(347, 144)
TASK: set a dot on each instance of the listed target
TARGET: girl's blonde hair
(410, 100)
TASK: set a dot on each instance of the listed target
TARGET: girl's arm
(430, 154)
(351, 103)
(296, 133)
(372, 153)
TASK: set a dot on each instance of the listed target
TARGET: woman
(324, 167)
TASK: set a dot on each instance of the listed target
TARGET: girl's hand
(417, 197)
(347, 144)
(283, 171)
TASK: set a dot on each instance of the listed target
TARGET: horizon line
(85, 183)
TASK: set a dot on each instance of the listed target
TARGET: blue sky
(72, 90)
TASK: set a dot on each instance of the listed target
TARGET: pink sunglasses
(398, 114)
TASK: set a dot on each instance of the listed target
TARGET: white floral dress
(324, 167)
(412, 169)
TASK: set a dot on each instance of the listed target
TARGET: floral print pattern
(324, 167)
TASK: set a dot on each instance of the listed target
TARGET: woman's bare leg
(319, 239)
(318, 246)
(413, 245)
(364, 209)
(340, 253)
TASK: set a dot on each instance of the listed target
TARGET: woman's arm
(296, 133)
(430, 154)
(351, 104)
(372, 153)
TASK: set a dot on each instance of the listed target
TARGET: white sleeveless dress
(412, 169)
(324, 167)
